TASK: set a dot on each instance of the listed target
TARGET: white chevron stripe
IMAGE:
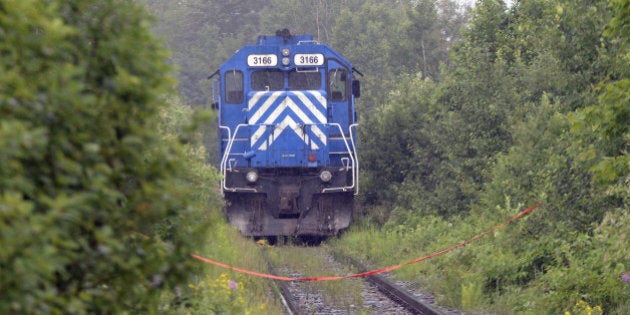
(263, 146)
(294, 107)
(281, 127)
(288, 103)
(263, 109)
(296, 127)
(319, 134)
(257, 134)
(321, 100)
(254, 100)
(312, 107)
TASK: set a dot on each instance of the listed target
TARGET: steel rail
(394, 292)
(287, 298)
(390, 289)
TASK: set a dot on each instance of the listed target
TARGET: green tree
(368, 37)
(397, 145)
(305, 17)
(475, 96)
(532, 106)
(202, 34)
(543, 52)
(603, 128)
(82, 169)
(430, 29)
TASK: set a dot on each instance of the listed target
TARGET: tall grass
(213, 290)
(501, 273)
(216, 290)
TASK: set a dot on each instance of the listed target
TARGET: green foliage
(472, 295)
(582, 307)
(603, 128)
(386, 150)
(378, 25)
(458, 130)
(462, 123)
(222, 295)
(429, 30)
(618, 26)
(83, 169)
(509, 271)
(305, 17)
(217, 290)
(201, 34)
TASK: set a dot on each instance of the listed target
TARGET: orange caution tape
(249, 272)
(378, 271)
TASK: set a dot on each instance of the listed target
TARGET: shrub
(82, 167)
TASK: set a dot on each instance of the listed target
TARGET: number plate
(308, 59)
(269, 60)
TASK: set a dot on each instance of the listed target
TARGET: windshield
(273, 80)
(267, 80)
(310, 80)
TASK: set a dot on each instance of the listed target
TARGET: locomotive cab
(287, 132)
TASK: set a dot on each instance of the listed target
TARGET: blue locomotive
(287, 132)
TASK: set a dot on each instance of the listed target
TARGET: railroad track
(282, 289)
(396, 293)
(378, 295)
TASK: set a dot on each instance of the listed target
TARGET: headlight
(325, 176)
(251, 176)
(285, 52)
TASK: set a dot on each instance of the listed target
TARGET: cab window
(305, 80)
(267, 80)
(337, 86)
(234, 87)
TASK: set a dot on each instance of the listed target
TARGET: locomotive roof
(284, 40)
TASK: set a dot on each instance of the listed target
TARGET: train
(287, 132)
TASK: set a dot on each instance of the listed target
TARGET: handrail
(229, 132)
(224, 161)
(352, 153)
(354, 150)
(345, 141)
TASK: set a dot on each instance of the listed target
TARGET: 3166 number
(308, 59)
(261, 60)
(268, 60)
